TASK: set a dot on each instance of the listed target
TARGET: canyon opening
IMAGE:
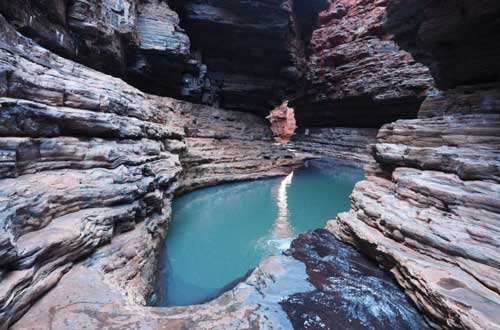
(264, 164)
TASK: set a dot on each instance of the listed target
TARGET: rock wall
(245, 45)
(429, 208)
(455, 39)
(89, 166)
(140, 41)
(223, 146)
(338, 142)
(356, 75)
(234, 55)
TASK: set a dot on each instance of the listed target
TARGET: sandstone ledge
(429, 209)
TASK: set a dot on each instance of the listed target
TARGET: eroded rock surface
(89, 166)
(351, 292)
(456, 39)
(245, 47)
(338, 142)
(429, 211)
(356, 75)
(308, 285)
(283, 123)
(139, 41)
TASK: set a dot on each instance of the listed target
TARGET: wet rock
(351, 292)
(326, 284)
(435, 179)
(428, 208)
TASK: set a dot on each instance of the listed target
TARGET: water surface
(219, 234)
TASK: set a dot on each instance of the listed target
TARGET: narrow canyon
(111, 109)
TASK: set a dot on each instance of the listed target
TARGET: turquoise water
(219, 234)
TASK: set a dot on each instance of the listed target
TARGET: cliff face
(89, 162)
(456, 39)
(140, 41)
(237, 54)
(356, 75)
(428, 210)
(344, 143)
(245, 45)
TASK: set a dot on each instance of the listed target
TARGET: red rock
(356, 75)
(283, 123)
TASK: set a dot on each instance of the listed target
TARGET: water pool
(219, 234)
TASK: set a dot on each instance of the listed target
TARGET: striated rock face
(429, 208)
(225, 146)
(245, 47)
(338, 142)
(458, 40)
(83, 160)
(356, 75)
(89, 166)
(139, 41)
(308, 286)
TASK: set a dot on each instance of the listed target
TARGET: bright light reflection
(282, 227)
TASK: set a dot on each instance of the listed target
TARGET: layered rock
(337, 142)
(299, 284)
(356, 75)
(245, 46)
(456, 39)
(89, 166)
(225, 146)
(428, 210)
(139, 41)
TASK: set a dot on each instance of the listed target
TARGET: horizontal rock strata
(338, 142)
(88, 168)
(233, 55)
(245, 45)
(356, 75)
(429, 209)
(139, 41)
(234, 146)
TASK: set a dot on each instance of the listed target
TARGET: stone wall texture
(89, 166)
(429, 208)
(355, 73)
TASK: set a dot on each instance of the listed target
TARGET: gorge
(110, 109)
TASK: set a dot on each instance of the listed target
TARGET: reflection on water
(282, 227)
(220, 233)
(282, 233)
